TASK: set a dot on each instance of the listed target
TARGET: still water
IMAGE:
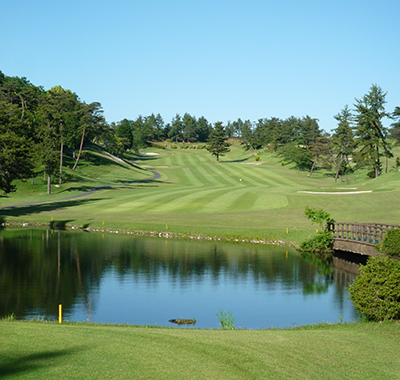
(147, 281)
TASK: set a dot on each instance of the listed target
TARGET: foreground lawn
(235, 198)
(80, 351)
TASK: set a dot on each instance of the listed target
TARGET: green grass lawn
(81, 351)
(237, 197)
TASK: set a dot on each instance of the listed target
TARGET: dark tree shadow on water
(17, 365)
(43, 207)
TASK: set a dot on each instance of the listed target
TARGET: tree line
(38, 127)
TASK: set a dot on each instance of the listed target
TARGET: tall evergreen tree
(189, 127)
(342, 143)
(176, 130)
(217, 144)
(395, 131)
(203, 129)
(370, 133)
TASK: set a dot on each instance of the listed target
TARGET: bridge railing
(366, 233)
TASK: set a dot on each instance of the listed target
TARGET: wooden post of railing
(364, 233)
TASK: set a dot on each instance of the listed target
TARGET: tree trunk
(80, 149)
(313, 166)
(338, 166)
(48, 184)
(378, 163)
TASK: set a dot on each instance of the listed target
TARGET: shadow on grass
(36, 207)
(33, 362)
(241, 160)
(42, 207)
(87, 190)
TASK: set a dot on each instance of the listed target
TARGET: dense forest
(38, 127)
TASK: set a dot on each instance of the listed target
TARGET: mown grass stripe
(214, 175)
(281, 178)
(194, 165)
(222, 174)
(245, 175)
(193, 201)
(222, 201)
(201, 174)
(150, 202)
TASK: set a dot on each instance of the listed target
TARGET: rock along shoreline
(155, 234)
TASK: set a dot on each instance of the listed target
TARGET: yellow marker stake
(166, 226)
(316, 230)
(287, 253)
(287, 230)
(52, 218)
(103, 222)
(60, 314)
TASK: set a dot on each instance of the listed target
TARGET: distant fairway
(237, 197)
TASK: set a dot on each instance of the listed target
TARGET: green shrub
(376, 291)
(257, 158)
(283, 163)
(168, 140)
(320, 243)
(318, 216)
(391, 243)
(157, 145)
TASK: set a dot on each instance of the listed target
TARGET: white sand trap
(152, 154)
(335, 192)
(251, 163)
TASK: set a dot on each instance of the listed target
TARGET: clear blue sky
(219, 59)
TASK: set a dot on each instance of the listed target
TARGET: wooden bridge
(358, 238)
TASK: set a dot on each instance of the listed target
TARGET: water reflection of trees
(40, 269)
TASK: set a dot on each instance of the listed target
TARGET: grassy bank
(82, 351)
(237, 197)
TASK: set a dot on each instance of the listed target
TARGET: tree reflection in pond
(146, 281)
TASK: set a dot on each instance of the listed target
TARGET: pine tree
(371, 134)
(217, 144)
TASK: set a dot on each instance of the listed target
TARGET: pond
(110, 278)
